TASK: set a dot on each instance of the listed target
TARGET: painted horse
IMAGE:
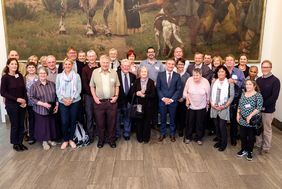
(89, 8)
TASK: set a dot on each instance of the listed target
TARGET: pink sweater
(197, 93)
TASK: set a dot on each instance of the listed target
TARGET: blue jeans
(68, 119)
(123, 116)
(170, 109)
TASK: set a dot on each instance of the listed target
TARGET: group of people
(206, 94)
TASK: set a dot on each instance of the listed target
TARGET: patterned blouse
(28, 83)
(247, 105)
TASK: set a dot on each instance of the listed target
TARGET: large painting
(219, 27)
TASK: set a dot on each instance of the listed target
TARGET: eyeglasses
(265, 67)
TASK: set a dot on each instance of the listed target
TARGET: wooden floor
(132, 166)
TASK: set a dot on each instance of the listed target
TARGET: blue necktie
(126, 86)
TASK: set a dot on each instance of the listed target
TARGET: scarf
(143, 83)
(224, 91)
(68, 81)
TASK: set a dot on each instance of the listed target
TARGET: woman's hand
(21, 101)
(67, 102)
(249, 118)
(238, 117)
(56, 109)
(139, 93)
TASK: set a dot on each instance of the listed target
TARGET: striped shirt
(43, 93)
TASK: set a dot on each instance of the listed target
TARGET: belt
(105, 100)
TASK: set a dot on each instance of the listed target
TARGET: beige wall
(271, 49)
(272, 44)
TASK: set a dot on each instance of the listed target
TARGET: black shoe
(91, 141)
(221, 149)
(216, 145)
(241, 153)
(113, 145)
(162, 137)
(233, 142)
(180, 133)
(31, 142)
(100, 144)
(17, 148)
(211, 133)
(215, 139)
(23, 147)
(126, 138)
(250, 156)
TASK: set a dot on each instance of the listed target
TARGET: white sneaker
(45, 145)
(52, 143)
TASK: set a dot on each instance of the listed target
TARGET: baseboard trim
(277, 124)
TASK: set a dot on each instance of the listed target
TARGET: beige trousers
(265, 138)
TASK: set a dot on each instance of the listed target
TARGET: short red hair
(130, 52)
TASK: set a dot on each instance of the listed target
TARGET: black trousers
(248, 137)
(17, 116)
(30, 122)
(233, 121)
(180, 116)
(195, 123)
(143, 132)
(221, 131)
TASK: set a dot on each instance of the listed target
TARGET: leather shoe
(100, 144)
(126, 138)
(23, 147)
(221, 149)
(180, 133)
(17, 148)
(216, 145)
(233, 142)
(172, 138)
(113, 145)
(162, 137)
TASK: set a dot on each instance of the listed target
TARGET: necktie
(112, 66)
(169, 79)
(126, 86)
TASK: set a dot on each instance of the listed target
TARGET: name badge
(112, 80)
(247, 106)
(17, 75)
(235, 77)
(157, 68)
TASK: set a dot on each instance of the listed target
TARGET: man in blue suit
(169, 89)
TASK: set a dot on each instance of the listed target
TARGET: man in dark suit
(126, 80)
(206, 71)
(77, 65)
(169, 89)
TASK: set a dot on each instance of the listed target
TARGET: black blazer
(79, 65)
(123, 99)
(206, 71)
(150, 94)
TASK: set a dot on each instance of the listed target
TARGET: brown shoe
(162, 137)
(172, 138)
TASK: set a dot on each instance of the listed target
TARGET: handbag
(136, 110)
(256, 121)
